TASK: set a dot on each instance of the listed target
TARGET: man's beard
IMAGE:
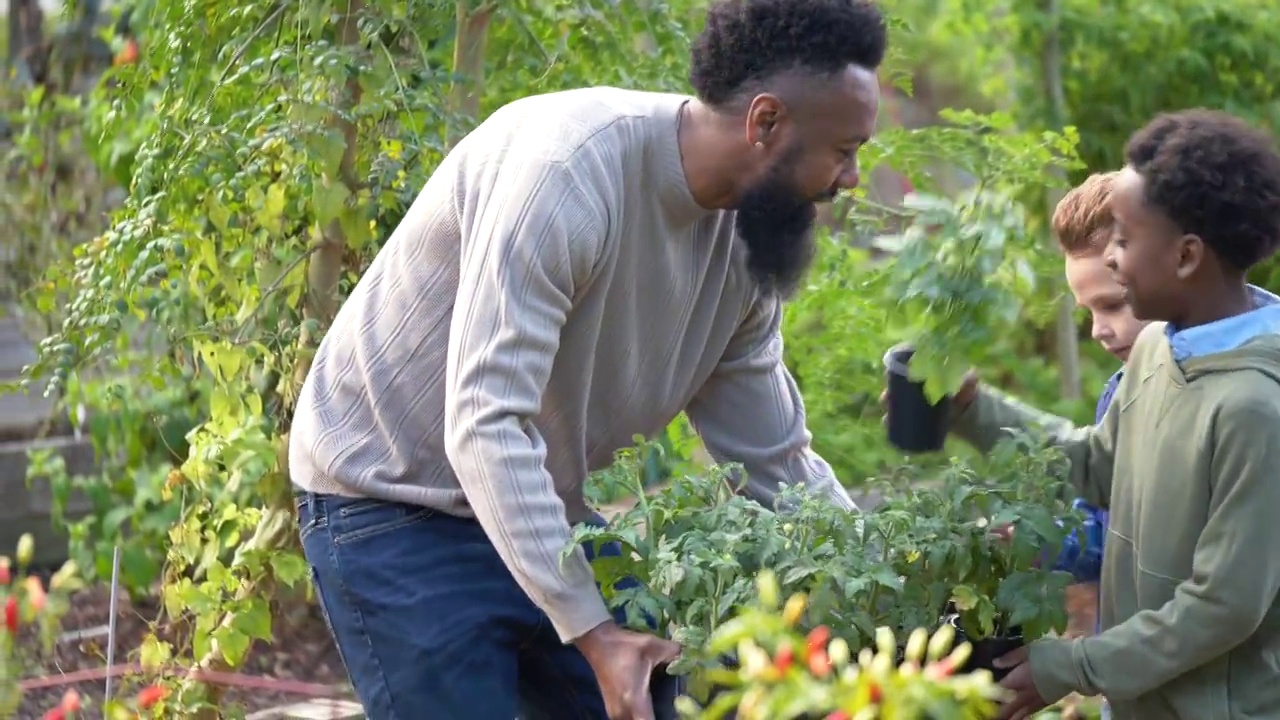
(775, 221)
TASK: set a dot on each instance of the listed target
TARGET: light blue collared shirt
(1228, 333)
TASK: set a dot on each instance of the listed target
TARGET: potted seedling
(1015, 596)
(995, 589)
(960, 273)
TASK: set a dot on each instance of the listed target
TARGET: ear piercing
(759, 144)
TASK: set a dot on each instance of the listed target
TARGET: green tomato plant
(998, 581)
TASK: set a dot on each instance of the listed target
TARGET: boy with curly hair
(1186, 456)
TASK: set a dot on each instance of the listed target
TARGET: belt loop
(315, 506)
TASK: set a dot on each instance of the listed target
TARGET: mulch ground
(303, 653)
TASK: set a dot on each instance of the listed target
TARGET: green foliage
(694, 548)
(134, 494)
(948, 547)
(50, 195)
(963, 272)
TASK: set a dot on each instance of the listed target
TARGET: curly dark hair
(1214, 176)
(750, 41)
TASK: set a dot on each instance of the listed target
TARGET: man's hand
(623, 662)
(1026, 700)
(960, 401)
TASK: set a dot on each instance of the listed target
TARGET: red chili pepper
(11, 614)
(55, 714)
(785, 657)
(151, 695)
(819, 663)
(818, 639)
(942, 668)
(838, 715)
(876, 693)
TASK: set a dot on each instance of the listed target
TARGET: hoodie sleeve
(1234, 578)
(991, 416)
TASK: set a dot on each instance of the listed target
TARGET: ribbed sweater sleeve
(750, 411)
(533, 244)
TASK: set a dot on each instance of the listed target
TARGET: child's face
(1114, 326)
(1149, 256)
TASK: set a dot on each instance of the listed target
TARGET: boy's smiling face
(1149, 256)
(1094, 288)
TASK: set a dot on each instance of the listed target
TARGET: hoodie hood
(1260, 353)
(1250, 340)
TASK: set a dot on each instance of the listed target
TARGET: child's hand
(968, 391)
(1026, 700)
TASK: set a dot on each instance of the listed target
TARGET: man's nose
(848, 178)
(1102, 331)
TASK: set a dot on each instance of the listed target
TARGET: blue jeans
(430, 623)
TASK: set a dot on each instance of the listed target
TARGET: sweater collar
(673, 185)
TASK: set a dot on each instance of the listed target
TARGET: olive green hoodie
(1190, 622)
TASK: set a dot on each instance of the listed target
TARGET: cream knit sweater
(553, 292)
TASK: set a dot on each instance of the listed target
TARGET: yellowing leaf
(271, 216)
(329, 199)
(154, 654)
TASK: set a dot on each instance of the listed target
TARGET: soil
(301, 664)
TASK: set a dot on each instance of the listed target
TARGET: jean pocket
(364, 519)
(308, 522)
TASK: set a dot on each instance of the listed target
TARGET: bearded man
(580, 269)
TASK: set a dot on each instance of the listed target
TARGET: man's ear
(763, 115)
(1190, 255)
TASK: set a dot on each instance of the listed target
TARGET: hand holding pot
(962, 399)
(623, 662)
(1026, 700)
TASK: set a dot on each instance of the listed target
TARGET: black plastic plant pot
(987, 650)
(664, 688)
(915, 425)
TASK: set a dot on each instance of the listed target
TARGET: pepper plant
(962, 274)
(28, 603)
(784, 673)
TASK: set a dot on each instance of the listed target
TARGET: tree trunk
(468, 67)
(1068, 342)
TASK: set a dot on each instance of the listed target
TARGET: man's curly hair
(1214, 176)
(746, 42)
